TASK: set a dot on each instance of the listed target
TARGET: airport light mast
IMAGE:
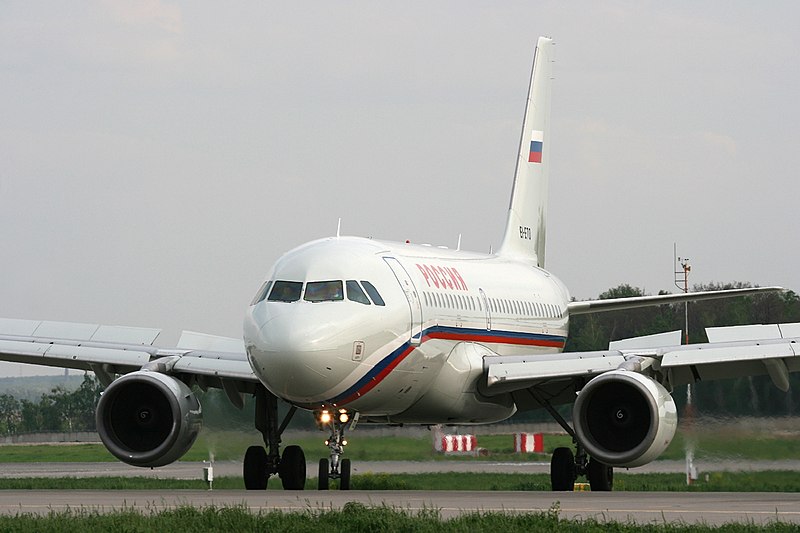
(682, 275)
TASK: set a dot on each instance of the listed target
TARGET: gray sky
(157, 157)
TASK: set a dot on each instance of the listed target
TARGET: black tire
(344, 471)
(601, 476)
(562, 470)
(324, 470)
(254, 469)
(293, 468)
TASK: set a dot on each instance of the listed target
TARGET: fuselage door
(411, 295)
(488, 310)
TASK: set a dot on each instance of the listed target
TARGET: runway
(644, 508)
(650, 507)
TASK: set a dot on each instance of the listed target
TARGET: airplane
(363, 331)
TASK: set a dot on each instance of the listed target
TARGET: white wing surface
(204, 360)
(738, 351)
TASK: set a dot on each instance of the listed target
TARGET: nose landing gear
(335, 468)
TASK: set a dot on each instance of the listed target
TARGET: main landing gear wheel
(254, 469)
(293, 468)
(562, 470)
(601, 476)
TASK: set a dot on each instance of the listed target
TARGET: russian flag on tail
(537, 139)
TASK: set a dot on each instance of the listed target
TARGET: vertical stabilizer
(527, 214)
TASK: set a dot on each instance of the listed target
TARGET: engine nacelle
(148, 419)
(624, 418)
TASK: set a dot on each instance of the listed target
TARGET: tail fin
(527, 214)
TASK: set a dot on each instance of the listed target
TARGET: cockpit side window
(262, 293)
(324, 291)
(285, 291)
(373, 293)
(355, 293)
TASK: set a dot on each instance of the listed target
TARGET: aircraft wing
(204, 360)
(616, 304)
(772, 350)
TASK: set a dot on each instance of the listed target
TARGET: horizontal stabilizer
(617, 304)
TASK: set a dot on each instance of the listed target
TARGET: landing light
(343, 417)
(325, 417)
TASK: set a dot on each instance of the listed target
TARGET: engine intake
(624, 418)
(148, 419)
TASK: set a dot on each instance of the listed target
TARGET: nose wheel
(335, 467)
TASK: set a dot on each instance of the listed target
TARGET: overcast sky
(157, 157)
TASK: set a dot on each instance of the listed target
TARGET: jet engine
(148, 419)
(624, 418)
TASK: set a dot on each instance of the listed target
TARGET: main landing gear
(565, 467)
(336, 468)
(261, 463)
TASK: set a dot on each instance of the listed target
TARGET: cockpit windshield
(319, 291)
(373, 292)
(262, 293)
(355, 293)
(324, 291)
(285, 291)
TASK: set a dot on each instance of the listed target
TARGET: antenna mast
(682, 282)
(682, 277)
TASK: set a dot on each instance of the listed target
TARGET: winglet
(527, 214)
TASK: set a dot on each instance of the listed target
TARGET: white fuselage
(416, 358)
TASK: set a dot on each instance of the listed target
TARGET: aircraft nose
(298, 358)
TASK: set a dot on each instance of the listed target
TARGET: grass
(768, 481)
(353, 518)
(732, 444)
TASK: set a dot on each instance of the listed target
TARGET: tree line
(57, 410)
(746, 396)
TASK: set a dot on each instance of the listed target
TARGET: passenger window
(373, 293)
(285, 291)
(262, 293)
(324, 291)
(355, 293)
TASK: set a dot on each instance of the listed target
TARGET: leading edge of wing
(110, 350)
(615, 304)
(776, 357)
(513, 372)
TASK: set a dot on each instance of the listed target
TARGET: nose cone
(298, 356)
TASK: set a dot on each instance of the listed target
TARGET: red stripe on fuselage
(497, 339)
